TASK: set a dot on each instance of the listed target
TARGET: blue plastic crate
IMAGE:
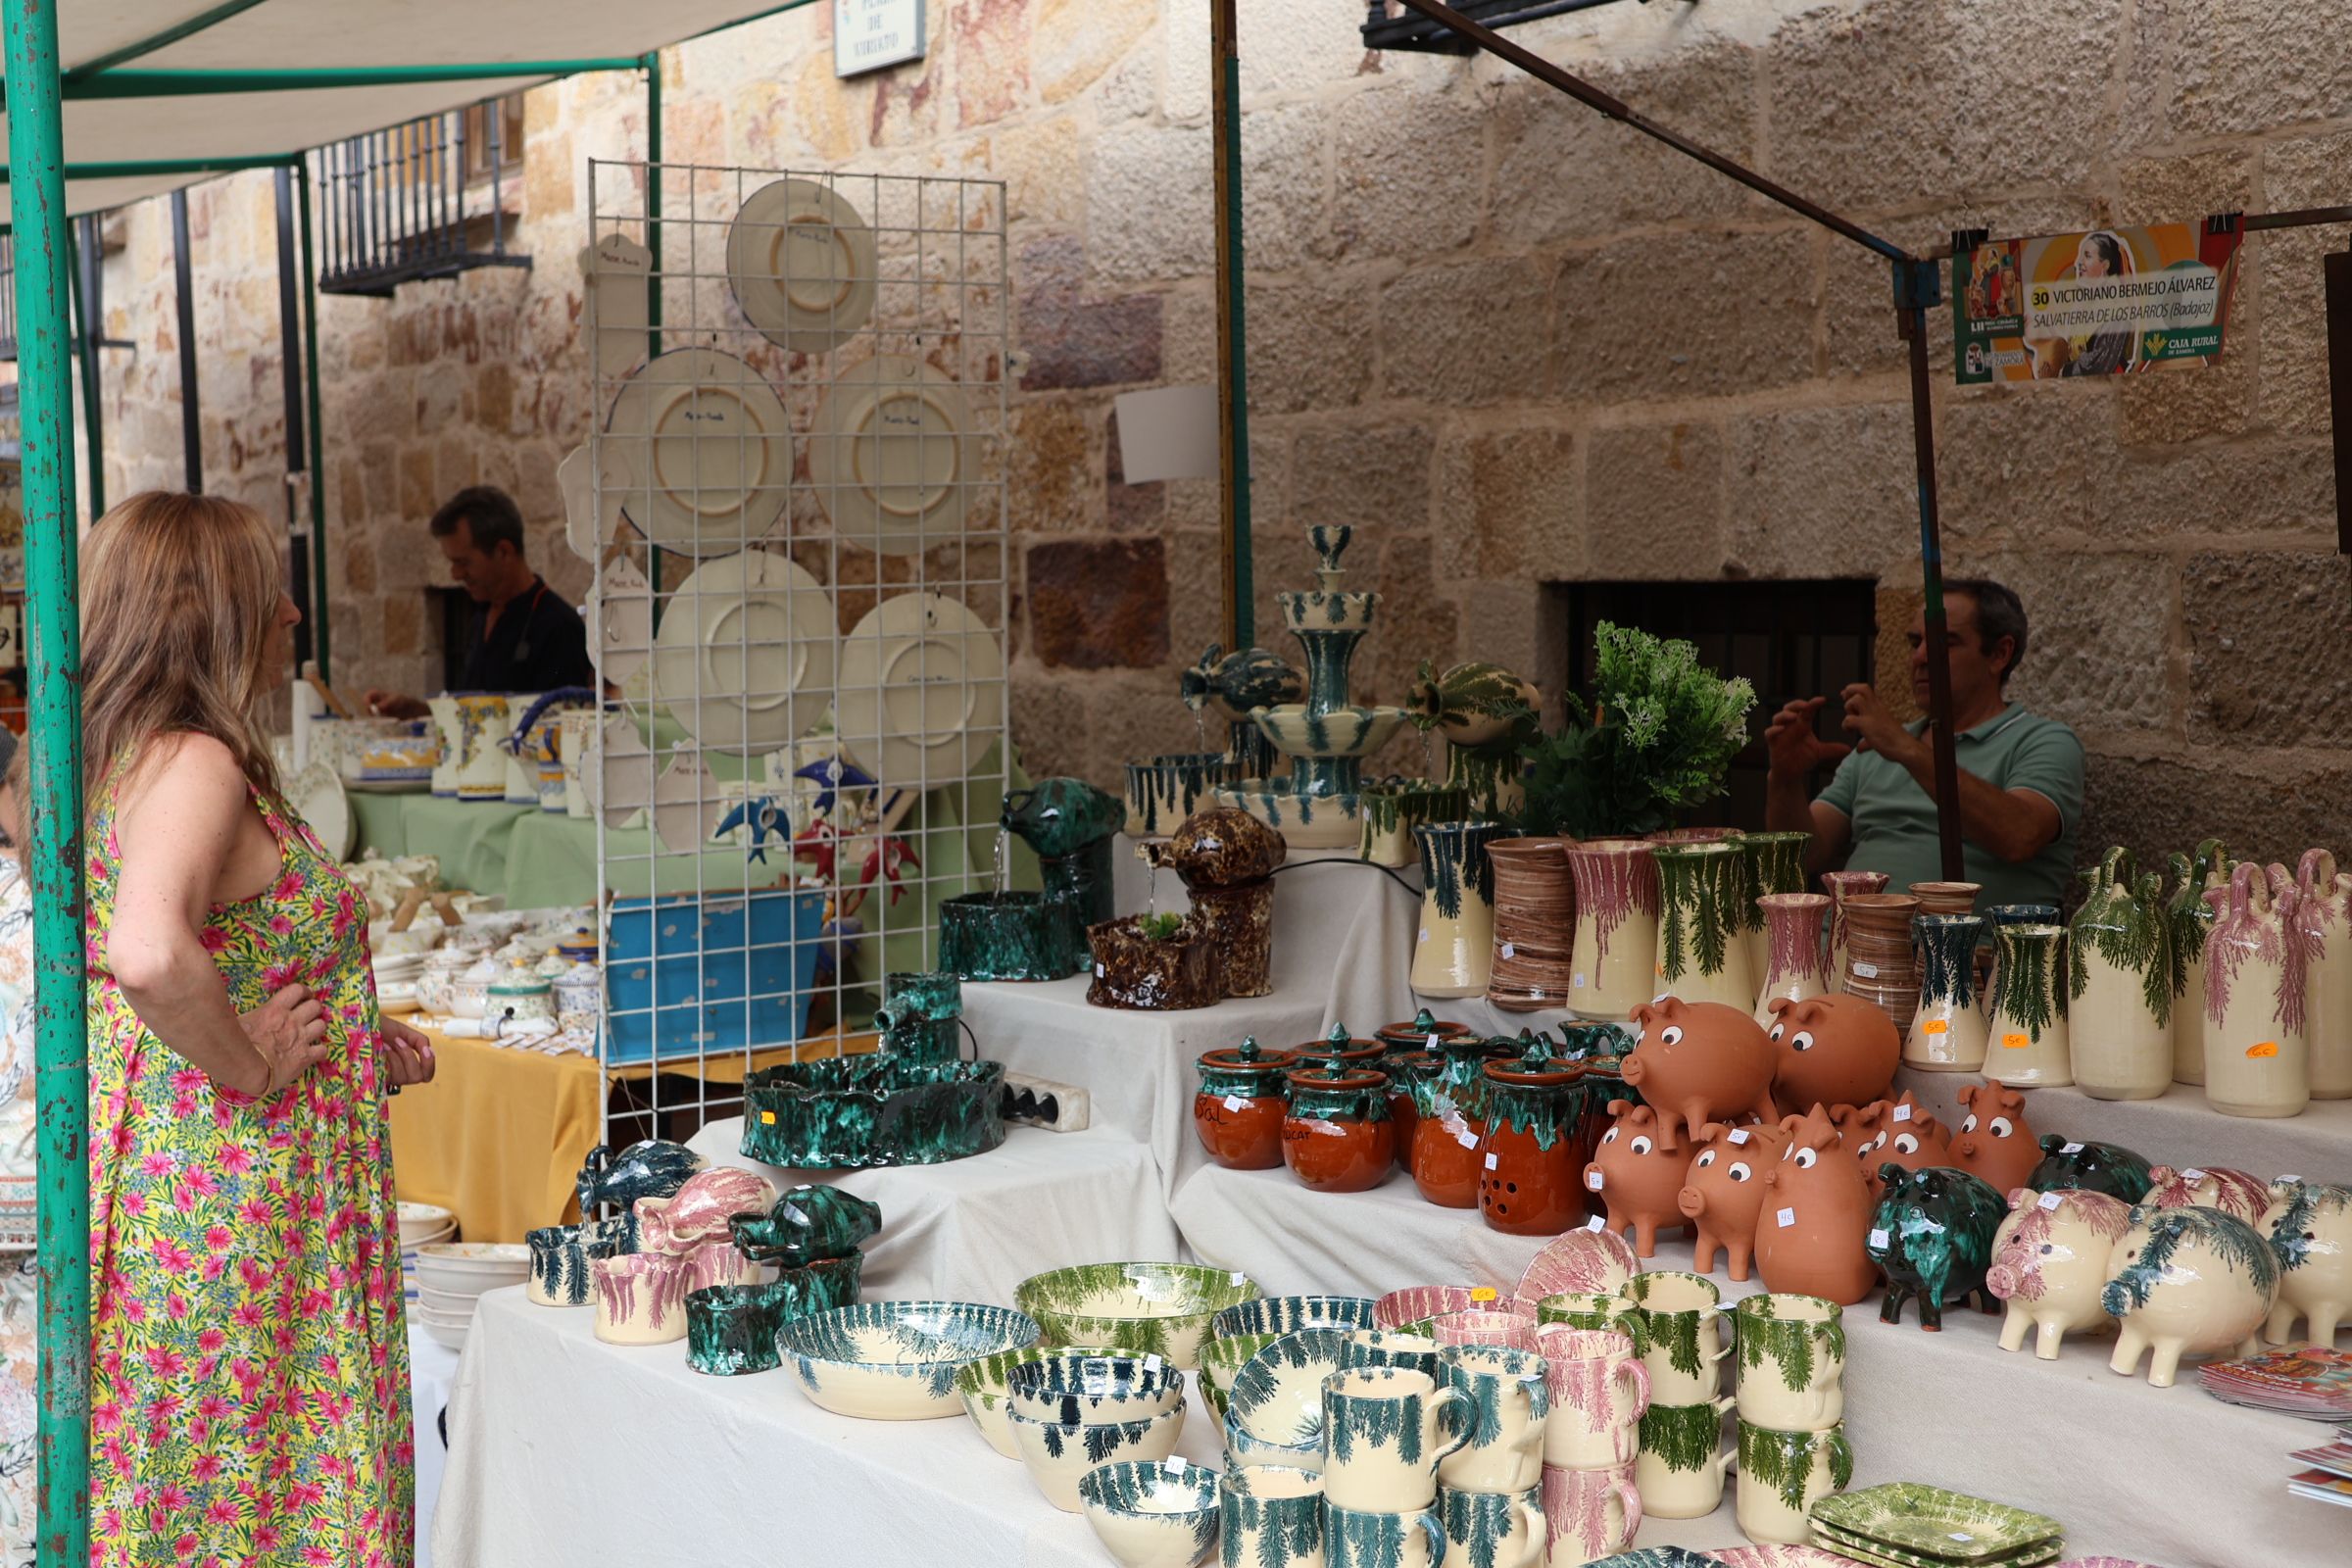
(717, 974)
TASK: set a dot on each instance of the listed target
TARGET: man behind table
(525, 637)
(2020, 775)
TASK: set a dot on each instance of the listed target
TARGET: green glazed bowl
(1160, 1309)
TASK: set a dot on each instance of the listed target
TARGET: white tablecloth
(973, 1229)
(2165, 1476)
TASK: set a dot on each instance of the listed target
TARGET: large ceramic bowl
(1288, 1314)
(1093, 1390)
(980, 1385)
(1149, 1515)
(1059, 1455)
(1157, 1309)
(896, 1360)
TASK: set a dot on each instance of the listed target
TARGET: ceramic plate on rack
(706, 449)
(801, 264)
(891, 455)
(316, 796)
(741, 639)
(921, 691)
(624, 621)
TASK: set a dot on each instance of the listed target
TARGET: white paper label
(1787, 1217)
(1236, 1103)
(1151, 1363)
(1868, 971)
(1430, 1044)
(1597, 1222)
(1962, 1535)
(1535, 993)
(2051, 1200)
(1466, 1138)
(1424, 936)
(1236, 1277)
(1660, 997)
(1491, 1162)
(1173, 1467)
(1877, 1238)
(1902, 1113)
(1593, 1179)
(2289, 1181)
(1580, 982)
(1509, 952)
(1738, 1135)
(2072, 1149)
(2192, 1174)
(1098, 971)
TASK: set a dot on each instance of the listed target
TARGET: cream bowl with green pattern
(1160, 1309)
(1221, 1361)
(981, 1386)
(1151, 1514)
(1093, 1389)
(896, 1360)
(1060, 1453)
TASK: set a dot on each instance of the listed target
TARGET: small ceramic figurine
(2235, 1193)
(1835, 1049)
(1896, 1132)
(2310, 1227)
(1698, 1062)
(1816, 1214)
(2069, 1164)
(1994, 1142)
(1230, 685)
(699, 1211)
(807, 1225)
(2187, 1281)
(1723, 1190)
(1472, 704)
(1933, 1234)
(654, 1168)
(1636, 1176)
(2049, 1264)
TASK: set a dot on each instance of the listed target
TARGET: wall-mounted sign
(2105, 302)
(868, 34)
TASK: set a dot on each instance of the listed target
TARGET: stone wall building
(1513, 343)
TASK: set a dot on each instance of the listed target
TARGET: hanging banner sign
(2106, 302)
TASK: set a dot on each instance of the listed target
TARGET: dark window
(1790, 638)
(452, 610)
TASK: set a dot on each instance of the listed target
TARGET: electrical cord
(1390, 872)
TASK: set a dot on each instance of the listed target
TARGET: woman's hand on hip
(408, 1054)
(289, 1033)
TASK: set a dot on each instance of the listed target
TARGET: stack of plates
(1908, 1524)
(396, 976)
(452, 1275)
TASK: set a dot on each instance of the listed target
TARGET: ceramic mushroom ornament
(1836, 1050)
(1636, 1176)
(2049, 1265)
(1724, 1190)
(1697, 1063)
(1815, 1217)
(1994, 1143)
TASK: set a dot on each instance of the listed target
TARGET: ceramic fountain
(1327, 737)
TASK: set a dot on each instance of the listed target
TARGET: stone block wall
(1509, 340)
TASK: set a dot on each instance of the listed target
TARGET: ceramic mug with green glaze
(1681, 1335)
(1385, 1432)
(1369, 1538)
(1679, 1471)
(1792, 1375)
(1509, 1402)
(1270, 1516)
(1501, 1529)
(1782, 1474)
(1613, 1313)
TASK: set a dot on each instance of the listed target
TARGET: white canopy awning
(130, 112)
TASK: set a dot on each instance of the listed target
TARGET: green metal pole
(93, 429)
(53, 659)
(653, 242)
(310, 336)
(1233, 355)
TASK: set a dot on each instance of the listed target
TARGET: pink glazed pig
(2310, 1227)
(2049, 1264)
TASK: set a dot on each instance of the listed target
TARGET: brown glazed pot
(1338, 1137)
(1136, 972)
(1405, 1073)
(1421, 1033)
(1220, 848)
(1239, 1109)
(1529, 1178)
(1450, 1121)
(1239, 920)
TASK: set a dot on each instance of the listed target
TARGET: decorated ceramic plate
(802, 263)
(1580, 1263)
(1277, 1397)
(1884, 1556)
(745, 637)
(891, 455)
(920, 697)
(1773, 1557)
(1914, 1517)
(707, 447)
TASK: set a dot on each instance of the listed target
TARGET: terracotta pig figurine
(1697, 1063)
(2310, 1227)
(2187, 1281)
(1837, 1050)
(1933, 1234)
(2049, 1265)
(2235, 1192)
(1897, 1132)
(1815, 1216)
(1994, 1143)
(1636, 1176)
(1724, 1188)
(701, 1209)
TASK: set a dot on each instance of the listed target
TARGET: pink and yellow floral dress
(249, 1367)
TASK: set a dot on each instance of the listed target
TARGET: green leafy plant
(1161, 927)
(1659, 737)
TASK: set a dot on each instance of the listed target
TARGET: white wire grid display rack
(799, 508)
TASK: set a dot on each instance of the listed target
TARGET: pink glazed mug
(1600, 1388)
(1592, 1513)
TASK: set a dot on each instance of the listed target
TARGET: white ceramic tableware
(1060, 1453)
(1151, 1514)
(1791, 1372)
(708, 447)
(1384, 1433)
(1275, 1402)
(1271, 1516)
(316, 792)
(896, 1360)
(801, 261)
(893, 456)
(1494, 1529)
(1511, 1401)
(745, 657)
(1093, 1389)
(1782, 1474)
(1599, 1391)
(1682, 1329)
(640, 1299)
(921, 690)
(1591, 1513)
(1682, 1459)
(1368, 1538)
(1145, 1308)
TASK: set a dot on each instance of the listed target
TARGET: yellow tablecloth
(498, 1134)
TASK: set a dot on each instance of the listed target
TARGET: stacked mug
(1600, 1393)
(1682, 1461)
(1791, 1399)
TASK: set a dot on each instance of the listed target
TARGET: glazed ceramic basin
(1339, 732)
(896, 1360)
(1288, 1314)
(1151, 1515)
(1093, 1390)
(980, 1385)
(1327, 822)
(1059, 1453)
(1241, 1450)
(1277, 1398)
(1157, 1309)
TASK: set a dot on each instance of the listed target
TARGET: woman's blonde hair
(179, 594)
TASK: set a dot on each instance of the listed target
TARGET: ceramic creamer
(1600, 1388)
(1791, 1361)
(1509, 1402)
(1589, 1514)
(1682, 1459)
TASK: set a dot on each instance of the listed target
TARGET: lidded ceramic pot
(1702, 942)
(1405, 1073)
(1239, 1109)
(1947, 1031)
(2257, 1052)
(2119, 984)
(1455, 948)
(2189, 921)
(1423, 1032)
(1338, 1137)
(2025, 1035)
(1842, 885)
(1529, 1171)
(1450, 1120)
(2324, 905)
(1535, 924)
(1880, 963)
(1614, 967)
(1794, 967)
(469, 988)
(1774, 862)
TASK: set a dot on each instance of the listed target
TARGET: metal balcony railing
(425, 199)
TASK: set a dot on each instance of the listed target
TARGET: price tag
(1935, 1026)
(1594, 1180)
(1152, 1363)
(1868, 971)
(1902, 1113)
(1424, 936)
(1877, 1237)
(1236, 1277)
(767, 1118)
(1098, 971)
(1236, 1103)
(2195, 1173)
(1580, 982)
(1509, 952)
(2288, 1181)
(1171, 1466)
(1962, 1535)
(1787, 1217)
(2070, 1148)
(2051, 1200)
(1535, 993)
(1491, 1162)
(2268, 1048)
(1738, 1135)
(1467, 1138)
(1485, 1292)
(1599, 1222)
(1430, 1044)
(1660, 997)
(2015, 1042)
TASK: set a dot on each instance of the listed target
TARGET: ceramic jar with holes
(1947, 1031)
(1613, 965)
(2257, 1049)
(1239, 1109)
(1529, 1175)
(2026, 1033)
(1454, 948)
(1337, 1137)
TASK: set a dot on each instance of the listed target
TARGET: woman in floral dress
(248, 1385)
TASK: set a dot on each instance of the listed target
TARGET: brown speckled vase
(1239, 920)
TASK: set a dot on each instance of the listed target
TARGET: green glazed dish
(1880, 1555)
(1951, 1527)
(856, 1113)
(1160, 1309)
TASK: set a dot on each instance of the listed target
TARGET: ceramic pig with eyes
(1697, 1063)
(2310, 1227)
(2187, 1281)
(1932, 1235)
(2073, 1165)
(1994, 1143)
(1635, 1176)
(1897, 1132)
(1815, 1216)
(2235, 1193)
(1837, 1050)
(2049, 1265)
(1724, 1187)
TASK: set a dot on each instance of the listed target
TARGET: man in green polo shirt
(2020, 775)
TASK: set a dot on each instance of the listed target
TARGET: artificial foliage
(1659, 737)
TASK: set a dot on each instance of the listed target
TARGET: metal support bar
(2336, 274)
(53, 710)
(159, 40)
(317, 455)
(204, 83)
(142, 167)
(183, 292)
(289, 391)
(653, 243)
(87, 331)
(1233, 360)
(1917, 289)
